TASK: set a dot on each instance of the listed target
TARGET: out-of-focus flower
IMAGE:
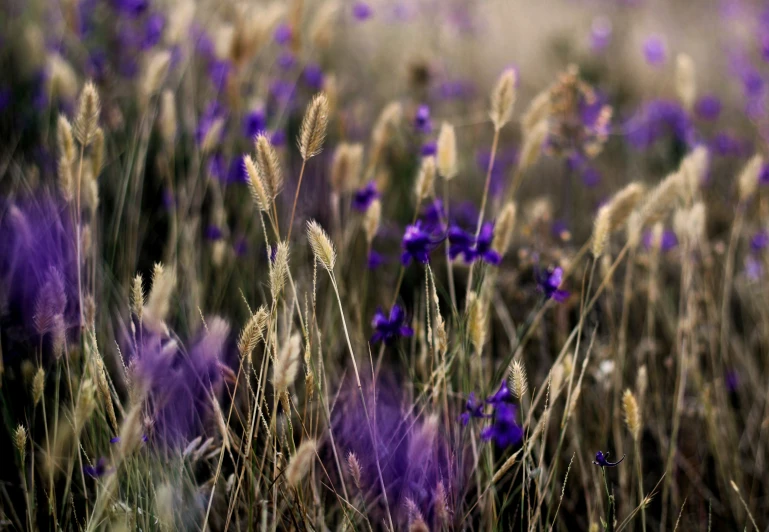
(654, 50)
(708, 107)
(214, 232)
(460, 243)
(388, 329)
(753, 268)
(483, 245)
(254, 122)
(549, 283)
(600, 34)
(213, 112)
(286, 60)
(602, 459)
(504, 430)
(132, 8)
(374, 260)
(417, 244)
(669, 240)
(473, 409)
(362, 11)
(153, 30)
(363, 197)
(422, 122)
(760, 240)
(313, 76)
(98, 470)
(429, 148)
(656, 119)
(283, 34)
(502, 395)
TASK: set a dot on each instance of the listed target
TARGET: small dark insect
(601, 459)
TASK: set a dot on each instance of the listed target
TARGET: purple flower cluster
(657, 119)
(387, 329)
(464, 243)
(503, 429)
(549, 283)
(418, 243)
(363, 197)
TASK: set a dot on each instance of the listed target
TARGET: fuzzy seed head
(20, 441)
(532, 144)
(476, 321)
(447, 151)
(85, 404)
(137, 296)
(519, 385)
(632, 414)
(51, 302)
(694, 168)
(287, 364)
(372, 220)
(255, 184)
(686, 80)
(220, 423)
(64, 139)
(346, 167)
(505, 229)
(623, 203)
(252, 332)
(441, 504)
(321, 245)
(601, 230)
(213, 135)
(279, 271)
(503, 99)
(424, 187)
(300, 463)
(356, 471)
(539, 109)
(313, 130)
(155, 73)
(167, 121)
(38, 386)
(159, 300)
(268, 165)
(748, 179)
(97, 152)
(87, 114)
(66, 179)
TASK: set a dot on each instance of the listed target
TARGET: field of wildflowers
(384, 265)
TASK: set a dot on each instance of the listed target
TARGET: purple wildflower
(503, 430)
(254, 122)
(473, 409)
(753, 268)
(708, 107)
(760, 240)
(461, 243)
(98, 470)
(549, 283)
(362, 11)
(286, 60)
(763, 177)
(602, 459)
(422, 122)
(502, 395)
(654, 50)
(214, 232)
(388, 329)
(153, 30)
(668, 242)
(483, 245)
(283, 34)
(417, 244)
(313, 76)
(374, 260)
(657, 118)
(132, 8)
(213, 112)
(429, 148)
(600, 34)
(363, 197)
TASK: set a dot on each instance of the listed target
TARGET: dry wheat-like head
(503, 99)
(279, 270)
(300, 463)
(686, 80)
(447, 151)
(87, 117)
(372, 219)
(97, 152)
(346, 167)
(424, 186)
(64, 139)
(519, 385)
(256, 186)
(137, 296)
(356, 471)
(532, 144)
(159, 300)
(538, 110)
(155, 73)
(167, 119)
(748, 178)
(476, 321)
(321, 245)
(38, 386)
(20, 441)
(505, 228)
(252, 332)
(286, 364)
(268, 165)
(632, 414)
(313, 130)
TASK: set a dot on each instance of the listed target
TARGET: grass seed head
(321, 245)
(503, 99)
(87, 118)
(314, 124)
(300, 463)
(447, 151)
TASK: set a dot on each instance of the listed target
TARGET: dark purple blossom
(283, 91)
(98, 470)
(132, 8)
(422, 122)
(278, 138)
(654, 50)
(363, 197)
(461, 242)
(417, 244)
(502, 395)
(760, 240)
(214, 232)
(153, 30)
(504, 430)
(219, 72)
(708, 107)
(362, 11)
(600, 34)
(374, 260)
(602, 459)
(254, 122)
(763, 177)
(283, 34)
(473, 409)
(313, 76)
(549, 283)
(656, 119)
(388, 329)
(483, 243)
(286, 60)
(429, 148)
